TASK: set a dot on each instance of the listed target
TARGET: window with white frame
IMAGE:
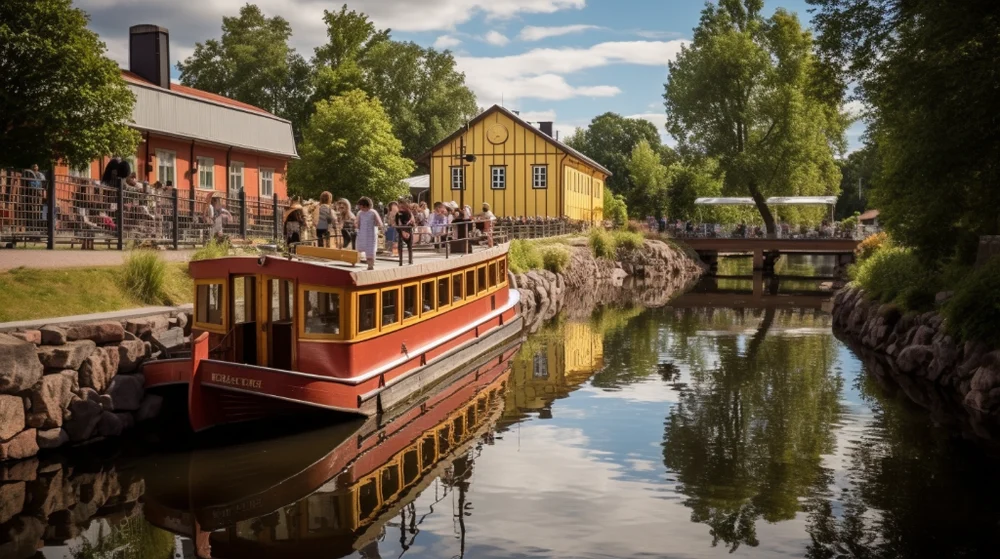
(206, 173)
(539, 176)
(267, 182)
(457, 178)
(498, 177)
(235, 176)
(166, 167)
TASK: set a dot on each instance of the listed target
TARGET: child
(326, 219)
(368, 221)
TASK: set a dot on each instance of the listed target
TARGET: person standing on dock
(367, 221)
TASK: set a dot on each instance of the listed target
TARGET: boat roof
(324, 271)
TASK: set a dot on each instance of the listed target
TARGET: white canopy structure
(772, 201)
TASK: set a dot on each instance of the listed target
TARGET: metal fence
(88, 214)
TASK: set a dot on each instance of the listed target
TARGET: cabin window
(390, 307)
(481, 278)
(539, 176)
(502, 271)
(411, 466)
(368, 501)
(444, 439)
(410, 301)
(498, 177)
(493, 275)
(456, 287)
(427, 296)
(428, 451)
(366, 312)
(322, 312)
(282, 299)
(457, 429)
(209, 302)
(457, 178)
(470, 283)
(470, 416)
(443, 299)
(390, 482)
(243, 299)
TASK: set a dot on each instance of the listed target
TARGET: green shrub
(871, 245)
(524, 256)
(973, 313)
(894, 274)
(144, 276)
(628, 240)
(602, 243)
(214, 249)
(555, 258)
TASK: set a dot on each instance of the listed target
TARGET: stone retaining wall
(76, 383)
(648, 276)
(51, 502)
(919, 346)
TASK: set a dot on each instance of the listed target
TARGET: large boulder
(97, 332)
(11, 500)
(126, 392)
(131, 354)
(53, 335)
(914, 358)
(149, 407)
(168, 340)
(22, 470)
(23, 445)
(147, 325)
(11, 416)
(84, 417)
(67, 356)
(20, 537)
(19, 366)
(49, 398)
(30, 336)
(52, 438)
(50, 494)
(97, 370)
(74, 379)
(110, 425)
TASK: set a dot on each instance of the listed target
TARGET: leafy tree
(253, 63)
(858, 172)
(62, 99)
(651, 178)
(348, 148)
(750, 93)
(616, 209)
(928, 71)
(609, 140)
(421, 89)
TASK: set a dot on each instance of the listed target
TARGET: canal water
(730, 424)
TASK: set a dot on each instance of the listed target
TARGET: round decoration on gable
(497, 134)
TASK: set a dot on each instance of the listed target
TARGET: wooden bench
(351, 257)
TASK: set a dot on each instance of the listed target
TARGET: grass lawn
(27, 293)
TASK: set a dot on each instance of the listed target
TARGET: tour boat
(277, 334)
(345, 482)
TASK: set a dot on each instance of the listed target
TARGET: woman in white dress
(368, 222)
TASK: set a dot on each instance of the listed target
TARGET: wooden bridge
(767, 251)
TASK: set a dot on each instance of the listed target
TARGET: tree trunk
(765, 212)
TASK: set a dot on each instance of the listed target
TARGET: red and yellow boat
(279, 334)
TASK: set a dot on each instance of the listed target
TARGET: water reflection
(685, 431)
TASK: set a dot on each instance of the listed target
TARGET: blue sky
(561, 60)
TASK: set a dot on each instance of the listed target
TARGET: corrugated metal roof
(419, 182)
(185, 90)
(772, 201)
(177, 112)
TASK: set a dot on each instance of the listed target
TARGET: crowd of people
(402, 223)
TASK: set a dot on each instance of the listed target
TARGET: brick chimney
(546, 128)
(149, 53)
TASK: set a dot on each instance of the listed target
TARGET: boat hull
(222, 392)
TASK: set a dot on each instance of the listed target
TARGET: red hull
(223, 392)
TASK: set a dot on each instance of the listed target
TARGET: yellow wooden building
(520, 170)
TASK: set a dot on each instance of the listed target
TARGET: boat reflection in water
(331, 492)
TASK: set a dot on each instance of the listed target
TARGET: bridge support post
(758, 259)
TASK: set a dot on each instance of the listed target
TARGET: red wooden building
(194, 139)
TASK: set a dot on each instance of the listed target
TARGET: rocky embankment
(647, 276)
(918, 346)
(76, 383)
(50, 502)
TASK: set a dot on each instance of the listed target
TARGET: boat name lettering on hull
(241, 382)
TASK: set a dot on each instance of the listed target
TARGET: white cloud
(660, 121)
(538, 116)
(540, 73)
(854, 108)
(496, 38)
(446, 42)
(533, 33)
